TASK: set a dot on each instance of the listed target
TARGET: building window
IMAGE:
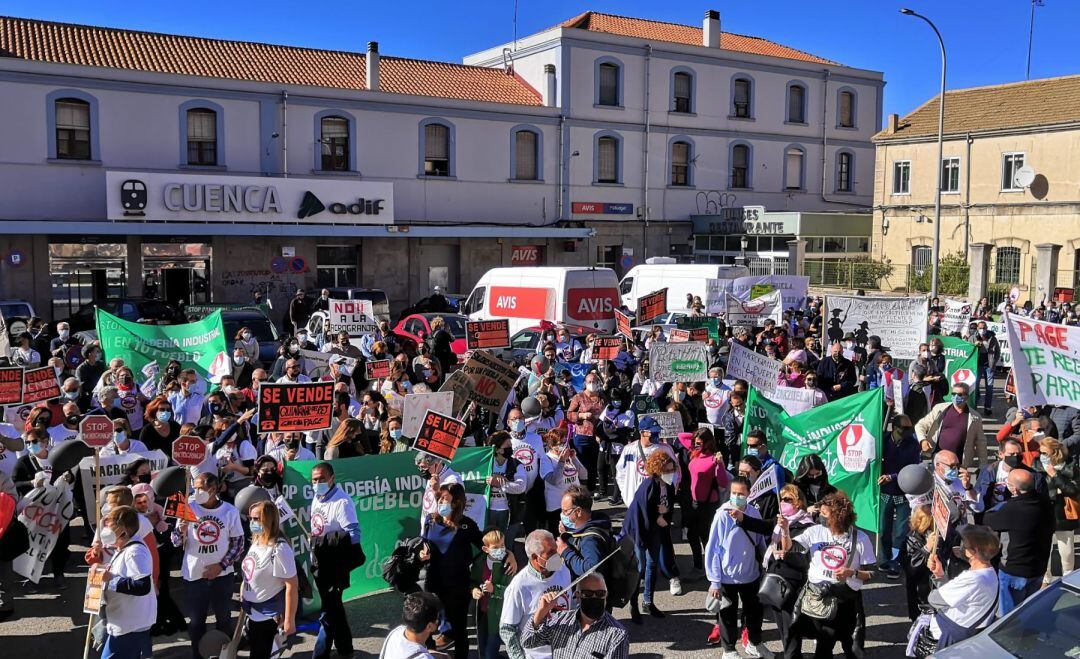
(922, 257)
(901, 177)
(796, 104)
(72, 129)
(608, 82)
(844, 166)
(607, 160)
(846, 113)
(950, 174)
(793, 168)
(436, 150)
(201, 137)
(334, 138)
(740, 166)
(526, 156)
(336, 265)
(680, 163)
(740, 98)
(682, 92)
(1007, 265)
(607, 256)
(1010, 163)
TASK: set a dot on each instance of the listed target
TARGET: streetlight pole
(940, 133)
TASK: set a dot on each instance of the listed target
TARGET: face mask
(498, 554)
(567, 522)
(119, 436)
(34, 448)
(294, 347)
(302, 338)
(849, 344)
(64, 334)
(935, 349)
(886, 367)
(164, 416)
(1044, 460)
(1012, 460)
(716, 382)
(554, 563)
(445, 509)
(202, 497)
(108, 536)
(58, 370)
(593, 608)
(71, 395)
(959, 399)
(125, 379)
(739, 501)
(787, 509)
(246, 336)
(395, 434)
(680, 396)
(592, 387)
(240, 359)
(268, 477)
(924, 354)
(668, 477)
(951, 475)
(517, 425)
(73, 420)
(321, 489)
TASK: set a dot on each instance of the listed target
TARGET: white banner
(417, 405)
(352, 316)
(1002, 334)
(899, 321)
(755, 312)
(765, 483)
(1046, 362)
(670, 423)
(956, 317)
(316, 364)
(112, 471)
(795, 400)
(761, 372)
(792, 288)
(46, 511)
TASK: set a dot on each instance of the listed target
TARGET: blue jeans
(987, 377)
(587, 451)
(134, 645)
(1014, 590)
(655, 557)
(488, 642)
(895, 513)
(202, 595)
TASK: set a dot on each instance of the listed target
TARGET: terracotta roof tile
(684, 34)
(1044, 102)
(65, 43)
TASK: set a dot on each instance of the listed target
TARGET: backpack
(620, 571)
(402, 568)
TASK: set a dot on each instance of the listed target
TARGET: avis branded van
(679, 278)
(576, 296)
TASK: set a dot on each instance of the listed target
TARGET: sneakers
(751, 650)
(714, 636)
(730, 654)
(650, 608)
(676, 586)
(890, 569)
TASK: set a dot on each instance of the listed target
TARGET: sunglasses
(592, 594)
(788, 500)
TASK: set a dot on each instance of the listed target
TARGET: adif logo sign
(856, 447)
(964, 376)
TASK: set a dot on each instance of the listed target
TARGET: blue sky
(986, 39)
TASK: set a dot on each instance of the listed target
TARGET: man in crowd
(1028, 519)
(953, 426)
(588, 631)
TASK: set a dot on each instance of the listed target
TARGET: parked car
(523, 344)
(1047, 624)
(16, 314)
(412, 330)
(134, 309)
(453, 305)
(380, 306)
(261, 328)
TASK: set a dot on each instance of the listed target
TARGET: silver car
(1046, 625)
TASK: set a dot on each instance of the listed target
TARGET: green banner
(388, 492)
(204, 310)
(690, 322)
(961, 364)
(763, 414)
(201, 346)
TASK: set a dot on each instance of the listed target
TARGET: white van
(679, 278)
(586, 297)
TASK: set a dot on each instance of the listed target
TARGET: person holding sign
(270, 593)
(567, 471)
(335, 548)
(585, 413)
(130, 603)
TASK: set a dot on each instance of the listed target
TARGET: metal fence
(846, 273)
(763, 266)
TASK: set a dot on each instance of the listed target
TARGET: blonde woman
(270, 593)
(1061, 482)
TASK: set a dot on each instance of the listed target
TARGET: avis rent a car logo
(312, 205)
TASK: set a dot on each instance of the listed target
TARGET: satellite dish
(1024, 176)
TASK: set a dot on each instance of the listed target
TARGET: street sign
(189, 451)
(96, 430)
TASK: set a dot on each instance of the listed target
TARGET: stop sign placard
(189, 451)
(96, 430)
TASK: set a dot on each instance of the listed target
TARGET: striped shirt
(605, 639)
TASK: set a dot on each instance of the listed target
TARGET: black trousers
(746, 595)
(698, 522)
(456, 611)
(261, 638)
(848, 627)
(334, 616)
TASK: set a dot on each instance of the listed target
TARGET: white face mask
(668, 477)
(554, 563)
(108, 536)
(592, 387)
(202, 497)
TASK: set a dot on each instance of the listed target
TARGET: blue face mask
(322, 488)
(256, 528)
(717, 382)
(959, 399)
(395, 434)
(445, 509)
(951, 475)
(739, 501)
(34, 448)
(164, 416)
(1044, 460)
(567, 522)
(517, 425)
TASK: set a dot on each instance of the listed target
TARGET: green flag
(388, 492)
(763, 414)
(847, 434)
(201, 346)
(961, 364)
(690, 322)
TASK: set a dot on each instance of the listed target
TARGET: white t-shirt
(522, 596)
(132, 407)
(333, 514)
(8, 458)
(399, 647)
(134, 446)
(969, 595)
(146, 534)
(208, 538)
(529, 451)
(240, 452)
(561, 479)
(829, 552)
(130, 613)
(630, 470)
(266, 568)
(62, 433)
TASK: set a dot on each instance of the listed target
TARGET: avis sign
(526, 255)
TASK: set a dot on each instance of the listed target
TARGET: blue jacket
(640, 521)
(589, 545)
(896, 457)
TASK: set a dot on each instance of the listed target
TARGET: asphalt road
(52, 620)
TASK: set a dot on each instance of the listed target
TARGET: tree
(954, 274)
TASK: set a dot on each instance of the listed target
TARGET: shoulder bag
(817, 600)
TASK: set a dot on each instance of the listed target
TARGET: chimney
(710, 32)
(373, 65)
(549, 85)
(894, 122)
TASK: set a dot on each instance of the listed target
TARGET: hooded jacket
(588, 545)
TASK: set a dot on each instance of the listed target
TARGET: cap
(850, 336)
(648, 424)
(142, 488)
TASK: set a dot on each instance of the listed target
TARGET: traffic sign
(189, 451)
(96, 430)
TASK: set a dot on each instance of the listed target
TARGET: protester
(900, 451)
(585, 536)
(420, 620)
(270, 593)
(546, 573)
(335, 542)
(130, 603)
(648, 522)
(709, 482)
(566, 472)
(1062, 473)
(588, 630)
(953, 426)
(488, 573)
(1029, 523)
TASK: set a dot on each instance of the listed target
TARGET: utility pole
(1031, 35)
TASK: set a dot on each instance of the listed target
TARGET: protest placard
(939, 509)
(93, 598)
(39, 384)
(352, 316)
(758, 290)
(795, 400)
(651, 306)
(461, 386)
(956, 317)
(96, 430)
(485, 334)
(11, 384)
(417, 405)
(670, 423)
(678, 362)
(46, 510)
(111, 469)
(899, 321)
(766, 482)
(622, 324)
(759, 370)
(678, 336)
(177, 507)
(316, 364)
(644, 404)
(1002, 334)
(701, 327)
(606, 347)
(1046, 361)
(300, 406)
(377, 369)
(439, 436)
(756, 311)
(792, 288)
(492, 379)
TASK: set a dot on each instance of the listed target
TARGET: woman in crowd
(161, 430)
(1062, 473)
(346, 441)
(507, 479)
(789, 566)
(130, 603)
(245, 340)
(137, 472)
(813, 479)
(709, 481)
(392, 439)
(235, 454)
(373, 414)
(122, 442)
(566, 470)
(913, 559)
(648, 523)
(270, 590)
(551, 411)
